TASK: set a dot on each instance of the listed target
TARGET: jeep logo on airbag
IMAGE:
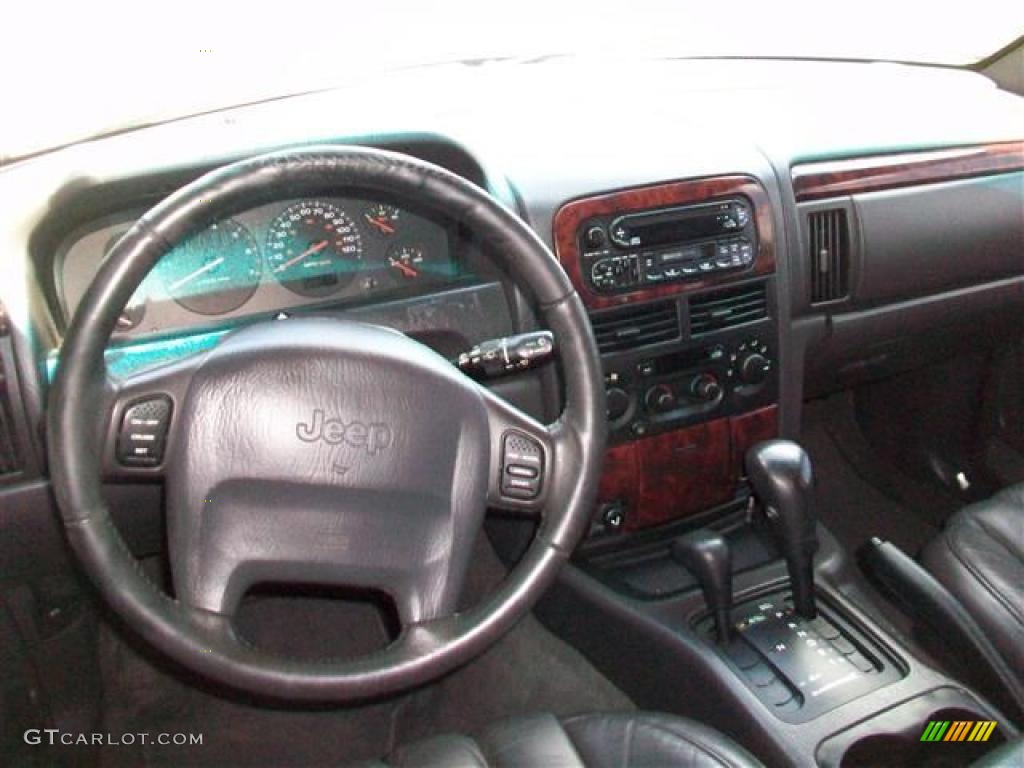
(374, 438)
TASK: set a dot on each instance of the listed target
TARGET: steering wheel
(324, 451)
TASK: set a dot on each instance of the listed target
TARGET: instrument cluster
(274, 257)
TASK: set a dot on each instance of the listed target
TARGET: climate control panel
(647, 394)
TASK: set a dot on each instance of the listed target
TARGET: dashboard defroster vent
(716, 310)
(621, 329)
(828, 238)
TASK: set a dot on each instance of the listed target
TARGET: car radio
(625, 252)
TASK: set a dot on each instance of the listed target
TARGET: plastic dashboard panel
(938, 237)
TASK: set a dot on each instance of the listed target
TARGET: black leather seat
(979, 557)
(621, 740)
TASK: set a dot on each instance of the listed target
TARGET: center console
(679, 281)
(762, 626)
(705, 587)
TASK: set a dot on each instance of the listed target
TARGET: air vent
(829, 242)
(632, 327)
(723, 309)
(10, 461)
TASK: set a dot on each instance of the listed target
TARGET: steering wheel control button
(522, 467)
(517, 471)
(143, 431)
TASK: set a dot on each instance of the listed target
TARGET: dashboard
(861, 247)
(278, 257)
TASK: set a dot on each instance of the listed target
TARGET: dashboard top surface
(532, 127)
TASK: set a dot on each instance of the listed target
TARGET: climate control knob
(705, 387)
(616, 403)
(754, 368)
(660, 399)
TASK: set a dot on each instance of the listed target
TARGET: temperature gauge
(383, 219)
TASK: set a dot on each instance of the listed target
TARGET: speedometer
(314, 248)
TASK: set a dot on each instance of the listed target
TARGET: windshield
(88, 68)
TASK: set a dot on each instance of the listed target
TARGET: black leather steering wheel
(260, 424)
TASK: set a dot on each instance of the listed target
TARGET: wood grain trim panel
(749, 429)
(813, 181)
(571, 215)
(683, 472)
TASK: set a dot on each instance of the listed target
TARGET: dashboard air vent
(638, 326)
(829, 242)
(723, 309)
(10, 460)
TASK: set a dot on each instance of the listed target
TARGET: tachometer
(314, 248)
(214, 271)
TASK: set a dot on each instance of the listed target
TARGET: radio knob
(660, 398)
(706, 387)
(595, 237)
(617, 403)
(754, 368)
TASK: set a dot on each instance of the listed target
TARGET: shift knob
(780, 471)
(706, 555)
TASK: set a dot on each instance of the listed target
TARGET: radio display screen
(678, 225)
(674, 230)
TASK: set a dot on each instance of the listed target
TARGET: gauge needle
(380, 224)
(315, 248)
(193, 275)
(404, 268)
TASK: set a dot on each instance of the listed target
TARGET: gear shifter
(706, 555)
(780, 471)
